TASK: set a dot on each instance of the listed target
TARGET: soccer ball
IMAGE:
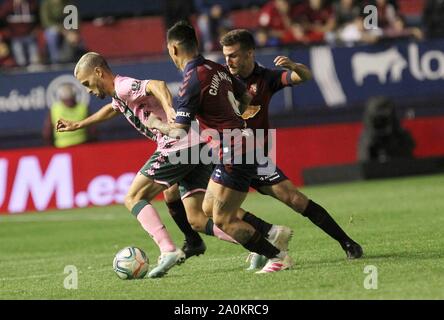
(131, 263)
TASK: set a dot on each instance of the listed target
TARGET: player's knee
(131, 199)
(207, 208)
(197, 224)
(222, 221)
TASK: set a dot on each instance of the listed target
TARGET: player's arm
(187, 105)
(245, 110)
(159, 89)
(174, 130)
(105, 113)
(299, 72)
(244, 102)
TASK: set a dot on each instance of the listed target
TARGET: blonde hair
(91, 60)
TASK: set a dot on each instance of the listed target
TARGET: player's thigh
(144, 188)
(195, 214)
(171, 194)
(225, 201)
(196, 181)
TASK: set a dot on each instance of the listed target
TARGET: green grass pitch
(399, 223)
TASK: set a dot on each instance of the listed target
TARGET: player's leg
(286, 192)
(137, 200)
(199, 221)
(154, 177)
(193, 244)
(226, 191)
(192, 190)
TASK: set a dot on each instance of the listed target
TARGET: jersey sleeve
(188, 98)
(130, 90)
(278, 79)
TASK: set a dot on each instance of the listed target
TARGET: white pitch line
(61, 218)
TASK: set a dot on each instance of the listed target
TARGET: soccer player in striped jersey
(217, 99)
(239, 50)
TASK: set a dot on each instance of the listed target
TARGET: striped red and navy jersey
(262, 84)
(209, 93)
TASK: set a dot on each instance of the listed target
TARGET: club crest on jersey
(135, 86)
(253, 88)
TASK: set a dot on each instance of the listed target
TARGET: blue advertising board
(342, 77)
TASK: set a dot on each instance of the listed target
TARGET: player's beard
(102, 94)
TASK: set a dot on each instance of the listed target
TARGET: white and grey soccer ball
(131, 263)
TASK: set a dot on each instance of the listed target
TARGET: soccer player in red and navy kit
(238, 48)
(217, 99)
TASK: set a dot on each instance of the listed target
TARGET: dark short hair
(241, 36)
(184, 34)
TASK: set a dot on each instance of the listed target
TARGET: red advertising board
(100, 173)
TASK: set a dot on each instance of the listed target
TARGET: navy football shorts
(259, 181)
(237, 176)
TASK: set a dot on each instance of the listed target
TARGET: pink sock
(218, 233)
(150, 221)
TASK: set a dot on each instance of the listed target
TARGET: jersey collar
(193, 63)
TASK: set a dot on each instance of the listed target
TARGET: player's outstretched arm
(300, 73)
(105, 113)
(160, 90)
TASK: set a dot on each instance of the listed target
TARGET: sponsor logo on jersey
(184, 114)
(135, 86)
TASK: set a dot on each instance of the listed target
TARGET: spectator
(213, 22)
(21, 21)
(386, 14)
(51, 17)
(69, 109)
(354, 32)
(383, 138)
(399, 30)
(6, 59)
(433, 18)
(176, 10)
(276, 18)
(317, 18)
(72, 48)
(345, 12)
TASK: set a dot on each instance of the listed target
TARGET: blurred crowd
(32, 32)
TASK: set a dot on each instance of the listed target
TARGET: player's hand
(171, 115)
(250, 112)
(152, 121)
(284, 62)
(66, 125)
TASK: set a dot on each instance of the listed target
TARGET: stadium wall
(100, 173)
(411, 73)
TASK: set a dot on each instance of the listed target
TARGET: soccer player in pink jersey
(135, 99)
